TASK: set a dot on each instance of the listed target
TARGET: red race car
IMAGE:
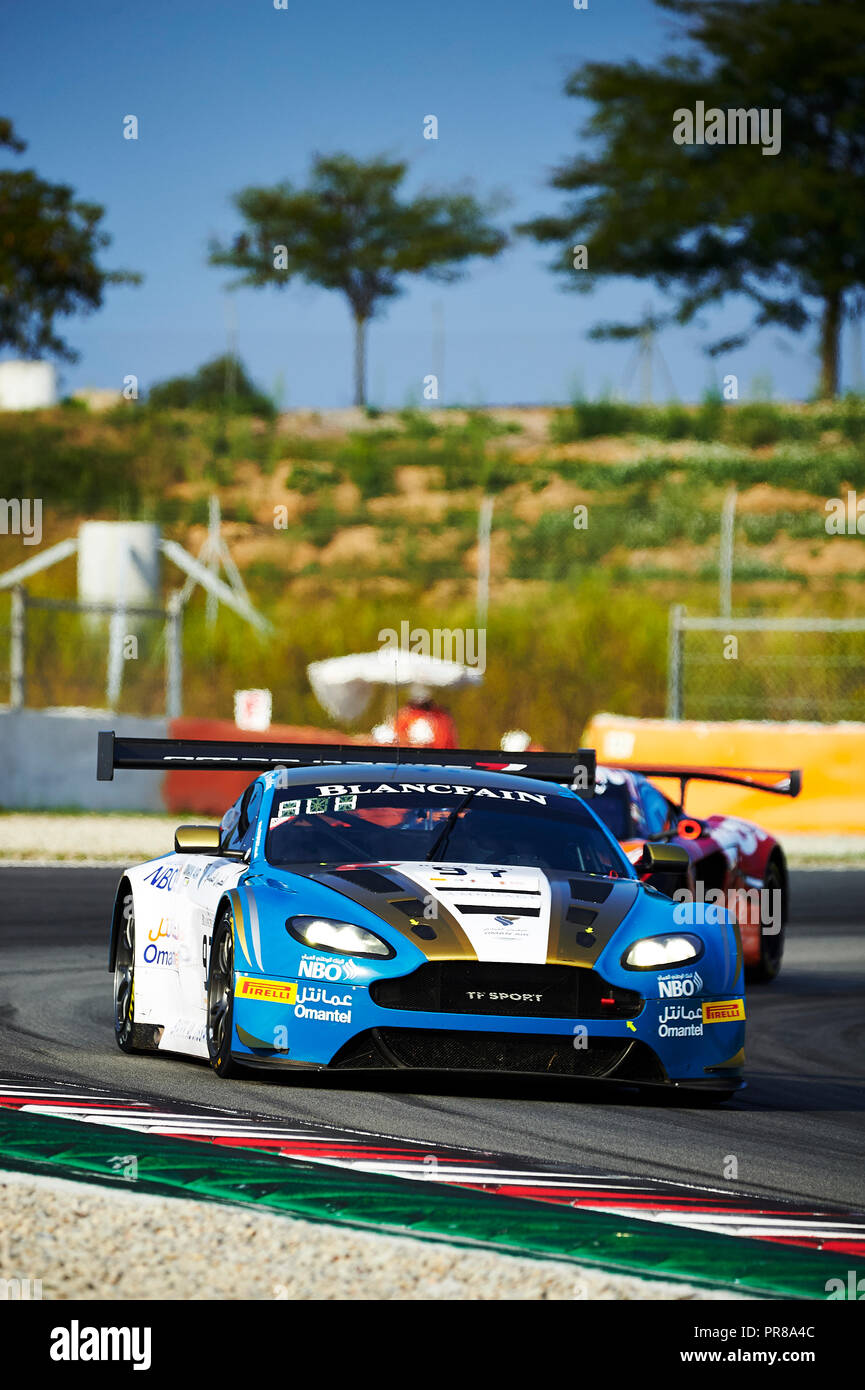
(733, 862)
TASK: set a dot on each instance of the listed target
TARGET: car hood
(487, 912)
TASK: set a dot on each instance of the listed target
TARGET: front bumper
(616, 1035)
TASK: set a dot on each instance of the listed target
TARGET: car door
(214, 878)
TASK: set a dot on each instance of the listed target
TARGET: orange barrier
(831, 756)
(211, 793)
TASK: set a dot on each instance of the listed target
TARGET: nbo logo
(680, 986)
(320, 970)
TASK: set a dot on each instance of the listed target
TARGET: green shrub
(296, 447)
(207, 389)
(266, 573)
(760, 528)
(593, 419)
(670, 422)
(753, 425)
(311, 477)
(709, 420)
(500, 472)
(366, 461)
(850, 417)
(417, 425)
(169, 510)
(321, 523)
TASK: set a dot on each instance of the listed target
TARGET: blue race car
(461, 913)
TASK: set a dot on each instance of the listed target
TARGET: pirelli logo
(267, 991)
(725, 1011)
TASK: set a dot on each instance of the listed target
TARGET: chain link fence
(765, 668)
(64, 653)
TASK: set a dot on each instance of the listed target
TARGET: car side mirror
(662, 858)
(665, 866)
(197, 839)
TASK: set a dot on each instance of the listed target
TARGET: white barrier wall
(48, 761)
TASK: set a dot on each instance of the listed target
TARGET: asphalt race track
(798, 1130)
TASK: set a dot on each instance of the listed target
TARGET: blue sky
(235, 92)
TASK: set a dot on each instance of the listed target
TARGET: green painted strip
(403, 1206)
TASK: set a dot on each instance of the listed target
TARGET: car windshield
(612, 803)
(373, 823)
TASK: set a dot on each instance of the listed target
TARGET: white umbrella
(344, 684)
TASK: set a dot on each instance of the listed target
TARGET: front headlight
(660, 952)
(341, 938)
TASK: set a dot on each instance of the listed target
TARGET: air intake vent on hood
(367, 878)
(413, 909)
(587, 890)
(410, 907)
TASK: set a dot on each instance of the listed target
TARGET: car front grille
(493, 1052)
(444, 1049)
(507, 990)
(554, 1056)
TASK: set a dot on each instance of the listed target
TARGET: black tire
(771, 946)
(220, 1000)
(124, 979)
(129, 1035)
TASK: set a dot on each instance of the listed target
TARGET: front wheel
(220, 1000)
(124, 980)
(130, 1036)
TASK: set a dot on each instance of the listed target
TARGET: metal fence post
(115, 656)
(174, 656)
(485, 522)
(213, 535)
(18, 648)
(674, 662)
(725, 568)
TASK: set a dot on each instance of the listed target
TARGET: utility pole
(17, 648)
(646, 349)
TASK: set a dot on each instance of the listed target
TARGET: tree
(703, 221)
(49, 245)
(349, 231)
(218, 385)
(8, 136)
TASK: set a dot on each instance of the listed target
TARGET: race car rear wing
(576, 770)
(778, 781)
